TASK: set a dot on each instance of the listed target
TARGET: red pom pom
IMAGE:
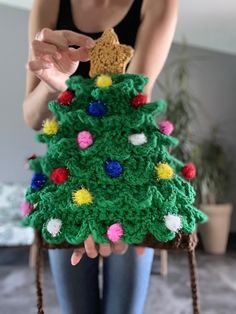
(139, 100)
(59, 175)
(65, 98)
(189, 171)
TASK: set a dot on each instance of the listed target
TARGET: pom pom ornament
(137, 139)
(59, 175)
(113, 168)
(115, 232)
(139, 100)
(172, 222)
(26, 208)
(38, 181)
(103, 81)
(50, 127)
(84, 139)
(54, 226)
(97, 109)
(166, 127)
(189, 171)
(82, 197)
(65, 98)
(164, 171)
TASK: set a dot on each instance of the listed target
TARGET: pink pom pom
(84, 139)
(166, 127)
(26, 208)
(115, 232)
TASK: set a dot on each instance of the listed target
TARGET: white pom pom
(138, 139)
(173, 222)
(54, 226)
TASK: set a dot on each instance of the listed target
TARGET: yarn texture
(113, 175)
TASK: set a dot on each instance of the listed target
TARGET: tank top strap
(133, 15)
(65, 17)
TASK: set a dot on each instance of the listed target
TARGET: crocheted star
(108, 55)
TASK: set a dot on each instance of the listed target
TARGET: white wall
(16, 140)
(212, 81)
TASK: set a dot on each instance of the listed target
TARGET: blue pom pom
(113, 168)
(97, 108)
(38, 181)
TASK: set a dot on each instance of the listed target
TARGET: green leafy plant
(182, 104)
(213, 169)
(208, 154)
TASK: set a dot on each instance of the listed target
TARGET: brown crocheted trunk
(182, 241)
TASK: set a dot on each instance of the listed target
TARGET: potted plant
(212, 181)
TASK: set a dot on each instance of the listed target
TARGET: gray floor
(168, 295)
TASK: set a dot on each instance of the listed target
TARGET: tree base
(182, 241)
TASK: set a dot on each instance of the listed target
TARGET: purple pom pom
(166, 127)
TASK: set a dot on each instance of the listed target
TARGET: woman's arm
(154, 39)
(37, 95)
(51, 60)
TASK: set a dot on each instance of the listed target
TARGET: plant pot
(214, 233)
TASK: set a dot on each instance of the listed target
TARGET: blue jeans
(125, 282)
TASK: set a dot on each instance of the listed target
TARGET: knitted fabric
(91, 200)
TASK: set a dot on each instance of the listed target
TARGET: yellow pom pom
(104, 81)
(50, 127)
(82, 196)
(164, 171)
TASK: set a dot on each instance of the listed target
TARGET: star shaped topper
(108, 55)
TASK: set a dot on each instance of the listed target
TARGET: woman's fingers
(37, 66)
(119, 247)
(77, 255)
(139, 250)
(105, 250)
(64, 38)
(90, 247)
(78, 39)
(80, 54)
(40, 49)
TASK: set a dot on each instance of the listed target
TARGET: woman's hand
(104, 250)
(52, 58)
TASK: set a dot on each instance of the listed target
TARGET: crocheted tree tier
(107, 170)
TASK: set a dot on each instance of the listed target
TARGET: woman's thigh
(125, 282)
(77, 286)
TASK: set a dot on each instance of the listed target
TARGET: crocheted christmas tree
(108, 170)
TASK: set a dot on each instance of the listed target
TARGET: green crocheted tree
(108, 171)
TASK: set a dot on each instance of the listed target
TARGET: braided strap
(39, 270)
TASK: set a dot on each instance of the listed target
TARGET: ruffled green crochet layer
(137, 199)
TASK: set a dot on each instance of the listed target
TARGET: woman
(60, 34)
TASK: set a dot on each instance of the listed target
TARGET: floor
(167, 295)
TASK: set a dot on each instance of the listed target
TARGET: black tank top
(126, 29)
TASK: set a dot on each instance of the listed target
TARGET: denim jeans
(125, 282)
